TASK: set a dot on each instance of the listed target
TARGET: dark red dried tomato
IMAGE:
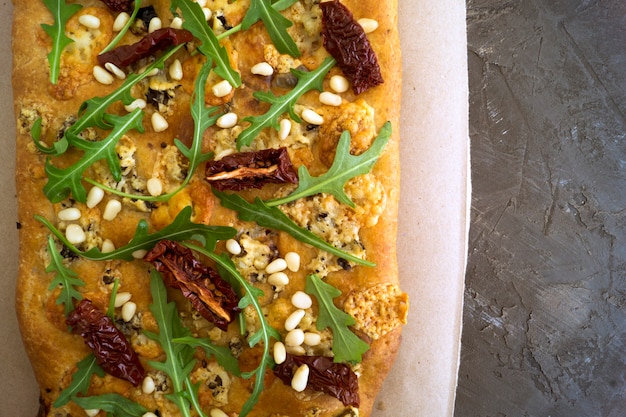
(113, 352)
(119, 5)
(208, 293)
(251, 170)
(160, 39)
(346, 41)
(336, 379)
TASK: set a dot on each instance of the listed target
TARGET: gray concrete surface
(544, 318)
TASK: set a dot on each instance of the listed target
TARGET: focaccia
(208, 197)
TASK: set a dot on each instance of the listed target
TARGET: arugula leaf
(203, 118)
(264, 334)
(65, 278)
(122, 32)
(92, 112)
(57, 148)
(113, 403)
(62, 181)
(179, 360)
(274, 218)
(61, 11)
(275, 23)
(279, 105)
(345, 166)
(181, 228)
(279, 6)
(223, 355)
(80, 380)
(194, 21)
(347, 347)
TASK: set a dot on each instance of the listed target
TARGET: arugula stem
(127, 26)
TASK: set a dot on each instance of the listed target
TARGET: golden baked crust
(54, 351)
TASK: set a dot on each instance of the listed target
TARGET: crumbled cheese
(307, 25)
(255, 256)
(378, 310)
(282, 63)
(216, 379)
(368, 194)
(333, 222)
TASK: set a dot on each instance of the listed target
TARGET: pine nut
(295, 337)
(94, 197)
(159, 124)
(128, 311)
(138, 103)
(296, 350)
(294, 319)
(276, 265)
(226, 121)
(148, 386)
(301, 300)
(107, 246)
(122, 298)
(102, 76)
(177, 23)
(154, 186)
(222, 89)
(69, 214)
(262, 68)
(89, 21)
(113, 69)
(278, 279)
(312, 117)
(155, 24)
(339, 83)
(216, 412)
(293, 261)
(111, 210)
(207, 13)
(312, 339)
(149, 414)
(368, 25)
(139, 253)
(224, 153)
(285, 129)
(120, 21)
(92, 412)
(280, 353)
(176, 70)
(75, 234)
(233, 247)
(300, 378)
(201, 3)
(330, 99)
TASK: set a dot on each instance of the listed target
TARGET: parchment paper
(432, 241)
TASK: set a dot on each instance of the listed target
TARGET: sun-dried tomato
(112, 350)
(119, 5)
(336, 379)
(208, 293)
(160, 39)
(346, 41)
(251, 170)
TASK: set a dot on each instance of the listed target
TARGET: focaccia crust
(370, 294)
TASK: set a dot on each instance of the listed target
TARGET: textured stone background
(545, 319)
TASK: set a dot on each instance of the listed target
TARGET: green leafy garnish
(65, 279)
(203, 117)
(251, 295)
(345, 167)
(122, 32)
(274, 218)
(347, 347)
(179, 360)
(57, 148)
(275, 23)
(182, 228)
(61, 12)
(306, 81)
(62, 181)
(222, 354)
(80, 380)
(279, 6)
(113, 403)
(195, 22)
